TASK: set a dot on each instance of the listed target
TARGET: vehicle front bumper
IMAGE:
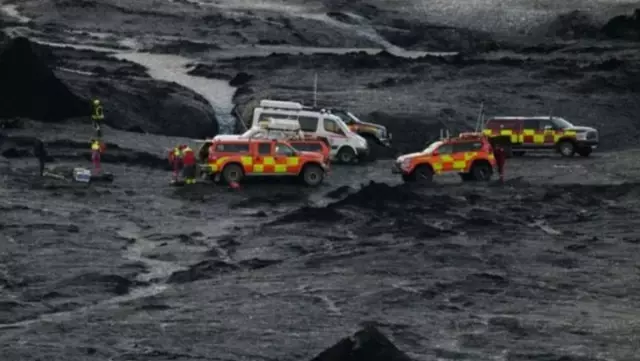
(397, 169)
(386, 141)
(593, 144)
(362, 152)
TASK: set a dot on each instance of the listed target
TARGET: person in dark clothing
(501, 157)
(40, 152)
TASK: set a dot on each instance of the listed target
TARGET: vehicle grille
(592, 136)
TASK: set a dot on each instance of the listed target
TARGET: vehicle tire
(519, 153)
(312, 175)
(566, 148)
(232, 173)
(409, 178)
(585, 152)
(346, 155)
(481, 172)
(423, 174)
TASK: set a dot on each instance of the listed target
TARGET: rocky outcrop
(29, 88)
(368, 344)
(624, 27)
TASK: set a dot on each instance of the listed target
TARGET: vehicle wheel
(585, 152)
(423, 174)
(566, 148)
(346, 155)
(519, 153)
(312, 175)
(481, 172)
(232, 173)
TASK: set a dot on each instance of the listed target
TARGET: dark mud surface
(541, 268)
(137, 270)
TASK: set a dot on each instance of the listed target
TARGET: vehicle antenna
(479, 121)
(315, 90)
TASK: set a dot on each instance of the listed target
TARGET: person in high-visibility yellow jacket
(97, 147)
(97, 116)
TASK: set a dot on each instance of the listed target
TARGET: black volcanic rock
(28, 88)
(624, 27)
(368, 344)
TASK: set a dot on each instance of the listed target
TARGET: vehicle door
(263, 160)
(442, 161)
(336, 136)
(464, 154)
(286, 159)
(531, 135)
(548, 129)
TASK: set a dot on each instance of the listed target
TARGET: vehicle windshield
(354, 117)
(562, 123)
(345, 116)
(432, 147)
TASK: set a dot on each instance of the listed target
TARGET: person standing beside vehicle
(175, 160)
(501, 157)
(189, 165)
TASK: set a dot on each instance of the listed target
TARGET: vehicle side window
(467, 147)
(531, 124)
(331, 126)
(307, 147)
(283, 149)
(264, 148)
(445, 149)
(232, 148)
(308, 124)
(546, 123)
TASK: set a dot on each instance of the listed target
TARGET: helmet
(96, 101)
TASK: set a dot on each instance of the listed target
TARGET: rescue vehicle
(345, 145)
(231, 160)
(526, 133)
(285, 129)
(470, 155)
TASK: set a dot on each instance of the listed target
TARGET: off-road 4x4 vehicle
(543, 133)
(373, 133)
(469, 154)
(233, 159)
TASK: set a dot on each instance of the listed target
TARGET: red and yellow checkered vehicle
(232, 159)
(470, 155)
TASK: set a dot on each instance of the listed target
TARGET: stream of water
(173, 68)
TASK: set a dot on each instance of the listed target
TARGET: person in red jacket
(189, 165)
(501, 157)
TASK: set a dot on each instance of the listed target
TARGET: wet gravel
(542, 269)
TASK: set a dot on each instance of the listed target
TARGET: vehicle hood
(402, 158)
(370, 126)
(582, 129)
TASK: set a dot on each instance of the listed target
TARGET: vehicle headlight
(581, 136)
(363, 142)
(405, 164)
